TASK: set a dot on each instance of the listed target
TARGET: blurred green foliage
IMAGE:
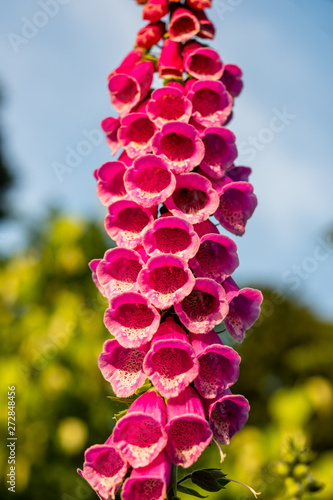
(51, 319)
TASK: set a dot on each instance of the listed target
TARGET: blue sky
(55, 57)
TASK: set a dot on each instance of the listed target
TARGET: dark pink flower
(219, 364)
(165, 280)
(110, 126)
(204, 307)
(171, 235)
(155, 9)
(207, 29)
(244, 308)
(117, 272)
(150, 34)
(149, 181)
(237, 204)
(220, 151)
(216, 258)
(188, 431)
(211, 102)
(122, 367)
(237, 174)
(183, 25)
(199, 4)
(201, 62)
(93, 266)
(136, 134)
(205, 227)
(110, 182)
(131, 319)
(125, 159)
(169, 104)
(194, 199)
(125, 223)
(232, 79)
(150, 482)
(171, 363)
(170, 63)
(103, 468)
(140, 435)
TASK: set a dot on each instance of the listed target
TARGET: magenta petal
(140, 434)
(171, 363)
(149, 181)
(110, 182)
(169, 104)
(204, 307)
(220, 151)
(131, 319)
(211, 102)
(150, 35)
(153, 10)
(199, 4)
(93, 264)
(201, 62)
(227, 415)
(165, 280)
(232, 79)
(170, 63)
(205, 227)
(122, 367)
(237, 174)
(194, 199)
(110, 126)
(207, 29)
(183, 25)
(188, 431)
(136, 134)
(171, 235)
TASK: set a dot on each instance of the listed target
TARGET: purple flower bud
(155, 9)
(150, 34)
(220, 151)
(169, 104)
(110, 182)
(199, 4)
(232, 79)
(237, 174)
(183, 25)
(201, 62)
(136, 134)
(212, 104)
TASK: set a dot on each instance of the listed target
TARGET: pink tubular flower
(244, 308)
(155, 9)
(207, 29)
(136, 134)
(211, 102)
(110, 126)
(110, 182)
(237, 204)
(165, 280)
(131, 319)
(237, 174)
(168, 104)
(122, 367)
(194, 199)
(201, 62)
(149, 482)
(103, 468)
(216, 258)
(232, 79)
(149, 181)
(199, 4)
(220, 151)
(171, 235)
(125, 223)
(180, 145)
(117, 272)
(93, 264)
(150, 34)
(140, 435)
(183, 25)
(205, 227)
(219, 364)
(188, 431)
(170, 63)
(171, 363)
(204, 307)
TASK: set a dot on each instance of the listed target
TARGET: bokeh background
(53, 89)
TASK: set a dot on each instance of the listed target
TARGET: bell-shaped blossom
(180, 145)
(207, 29)
(232, 79)
(169, 104)
(199, 4)
(118, 271)
(227, 415)
(93, 264)
(220, 151)
(204, 307)
(155, 9)
(183, 25)
(149, 181)
(125, 223)
(170, 63)
(205, 227)
(194, 199)
(150, 482)
(211, 102)
(136, 133)
(140, 435)
(110, 182)
(104, 469)
(131, 319)
(188, 431)
(122, 367)
(216, 258)
(150, 34)
(171, 363)
(171, 235)
(110, 126)
(219, 364)
(238, 174)
(237, 204)
(244, 308)
(165, 280)
(201, 62)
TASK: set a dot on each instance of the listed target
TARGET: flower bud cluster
(168, 281)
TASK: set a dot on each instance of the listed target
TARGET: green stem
(172, 492)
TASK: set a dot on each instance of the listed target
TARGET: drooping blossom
(232, 79)
(211, 102)
(170, 63)
(201, 62)
(183, 25)
(207, 29)
(136, 133)
(155, 9)
(150, 34)
(110, 182)
(205, 227)
(220, 151)
(169, 104)
(110, 126)
(237, 174)
(93, 267)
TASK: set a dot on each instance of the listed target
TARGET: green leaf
(117, 416)
(144, 388)
(189, 491)
(209, 479)
(126, 401)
